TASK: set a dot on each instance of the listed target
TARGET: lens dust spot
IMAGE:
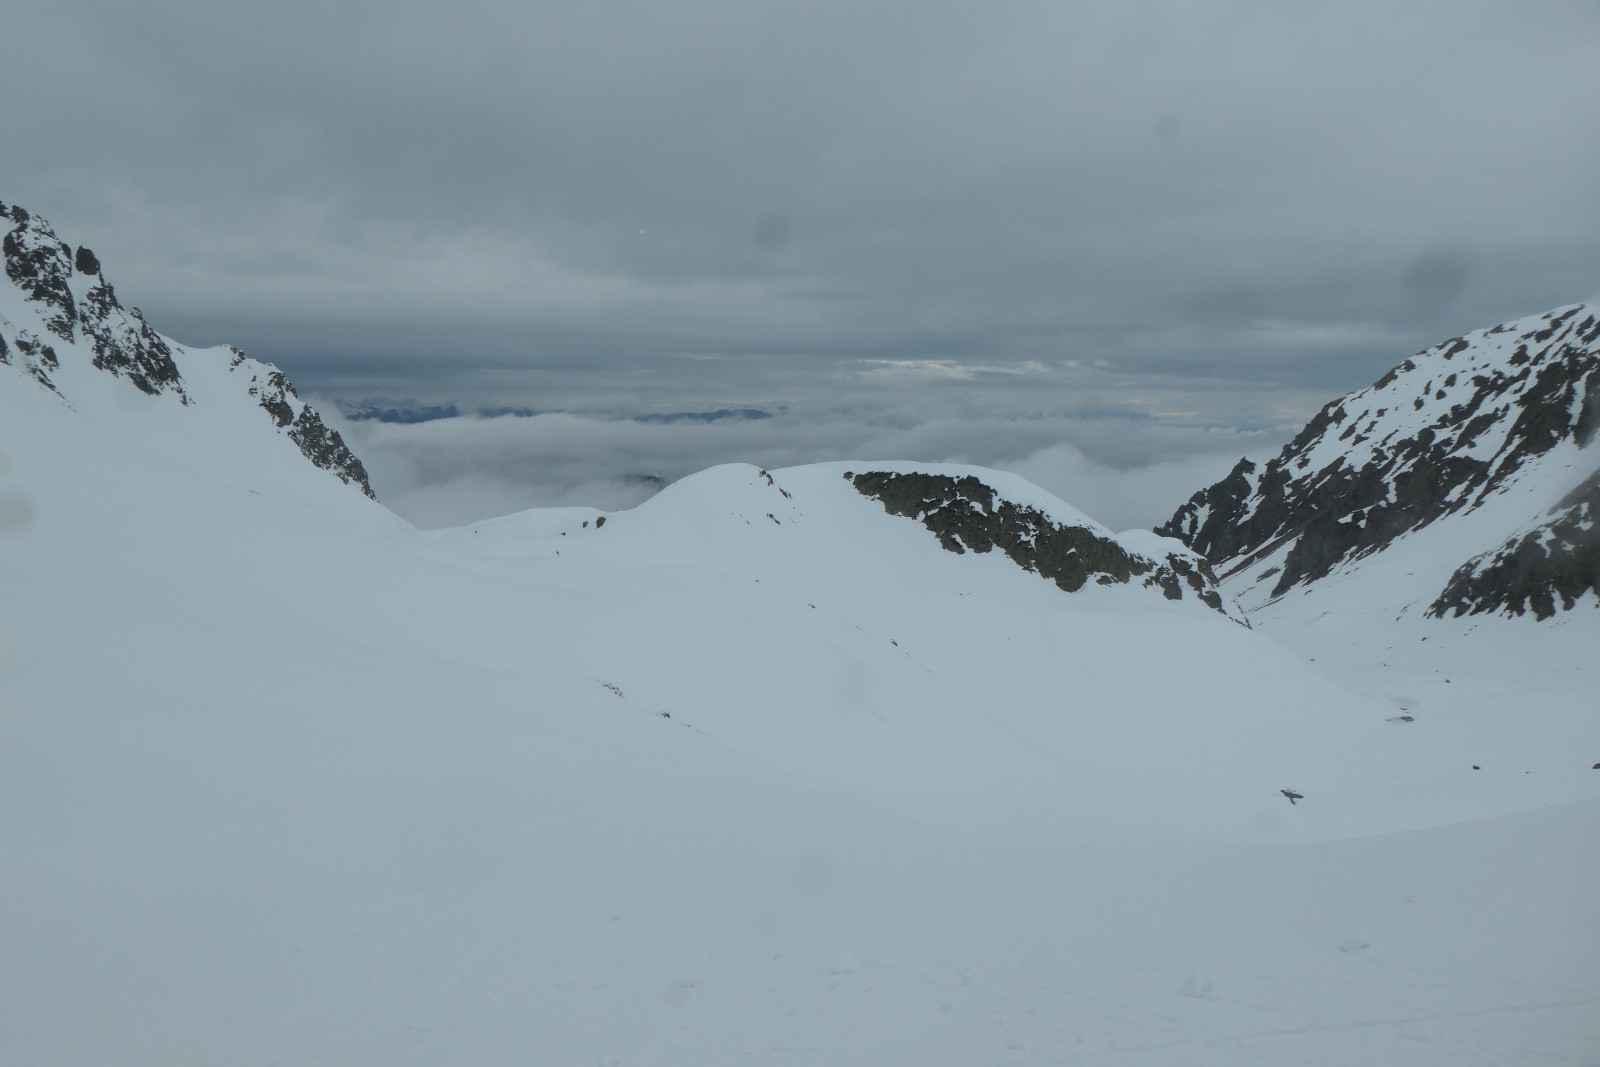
(1435, 279)
(17, 514)
(772, 232)
(811, 876)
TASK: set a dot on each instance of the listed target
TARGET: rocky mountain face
(77, 316)
(1545, 569)
(1444, 434)
(43, 266)
(966, 514)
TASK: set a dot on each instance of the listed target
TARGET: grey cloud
(1436, 278)
(1231, 208)
(1123, 469)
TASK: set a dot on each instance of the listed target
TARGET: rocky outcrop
(67, 292)
(1546, 569)
(125, 345)
(40, 264)
(1437, 435)
(966, 515)
(38, 358)
(323, 446)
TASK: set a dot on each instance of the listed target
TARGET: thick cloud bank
(453, 471)
(644, 206)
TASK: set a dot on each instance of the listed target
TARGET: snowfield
(735, 777)
(758, 772)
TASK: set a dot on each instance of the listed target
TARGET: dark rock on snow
(1544, 570)
(122, 344)
(320, 444)
(39, 263)
(1436, 436)
(967, 515)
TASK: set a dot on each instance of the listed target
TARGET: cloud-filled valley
(448, 472)
(612, 208)
(933, 684)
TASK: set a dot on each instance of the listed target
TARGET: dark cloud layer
(1212, 214)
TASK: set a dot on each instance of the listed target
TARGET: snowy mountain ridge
(63, 318)
(853, 763)
(66, 295)
(1486, 434)
(968, 514)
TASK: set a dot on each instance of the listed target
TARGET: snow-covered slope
(1479, 445)
(62, 325)
(1430, 542)
(762, 771)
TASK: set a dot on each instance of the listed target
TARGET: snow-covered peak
(1049, 538)
(761, 771)
(70, 297)
(62, 325)
(1489, 430)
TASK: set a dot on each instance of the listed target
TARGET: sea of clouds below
(449, 472)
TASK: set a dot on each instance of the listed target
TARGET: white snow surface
(1421, 392)
(1491, 396)
(735, 777)
(1407, 575)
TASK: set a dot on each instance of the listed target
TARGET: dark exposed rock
(1363, 471)
(275, 396)
(319, 443)
(124, 343)
(40, 264)
(38, 358)
(1544, 570)
(967, 515)
(1583, 431)
(326, 449)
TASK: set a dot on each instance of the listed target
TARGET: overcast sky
(1204, 217)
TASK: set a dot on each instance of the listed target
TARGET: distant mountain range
(379, 411)
(1474, 452)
